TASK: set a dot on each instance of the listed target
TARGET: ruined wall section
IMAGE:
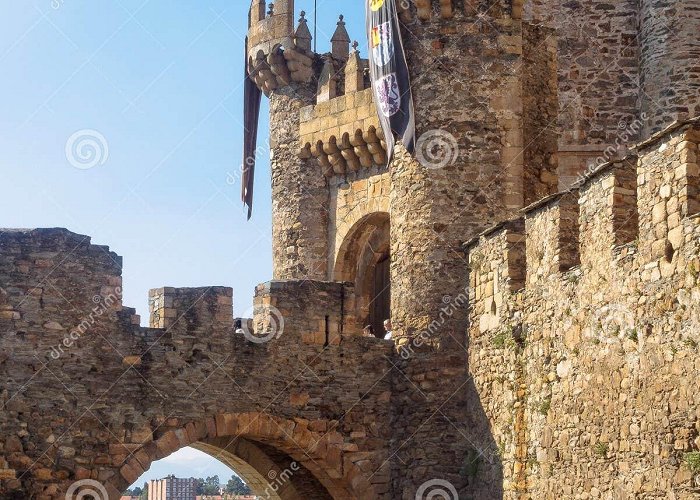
(588, 375)
(90, 394)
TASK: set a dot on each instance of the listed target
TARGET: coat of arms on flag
(382, 44)
(375, 5)
(389, 94)
(391, 81)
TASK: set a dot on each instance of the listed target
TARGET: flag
(391, 82)
(252, 97)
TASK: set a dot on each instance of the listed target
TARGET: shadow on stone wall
(442, 443)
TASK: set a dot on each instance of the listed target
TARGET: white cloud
(186, 455)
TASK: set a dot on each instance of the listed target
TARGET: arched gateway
(278, 458)
(363, 259)
(90, 396)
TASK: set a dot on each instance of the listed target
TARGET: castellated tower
(514, 101)
(484, 86)
(285, 69)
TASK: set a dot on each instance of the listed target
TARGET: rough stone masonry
(552, 355)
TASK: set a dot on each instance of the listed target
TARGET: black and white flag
(391, 83)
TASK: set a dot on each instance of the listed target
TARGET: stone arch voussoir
(324, 454)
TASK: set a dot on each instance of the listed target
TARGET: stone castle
(539, 258)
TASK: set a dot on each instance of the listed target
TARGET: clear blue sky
(160, 80)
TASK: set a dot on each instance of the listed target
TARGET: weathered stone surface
(591, 368)
(558, 360)
(193, 381)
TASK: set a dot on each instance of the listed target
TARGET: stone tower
(514, 102)
(286, 70)
(395, 232)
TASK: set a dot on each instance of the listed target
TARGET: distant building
(226, 496)
(172, 488)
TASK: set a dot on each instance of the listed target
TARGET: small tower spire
(302, 36)
(340, 43)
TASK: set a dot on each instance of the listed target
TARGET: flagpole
(315, 23)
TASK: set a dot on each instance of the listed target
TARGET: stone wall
(598, 68)
(587, 374)
(353, 199)
(476, 109)
(670, 80)
(88, 394)
(300, 195)
(540, 111)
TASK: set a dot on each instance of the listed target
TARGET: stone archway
(278, 458)
(363, 259)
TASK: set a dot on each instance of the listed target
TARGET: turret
(277, 54)
(340, 42)
(270, 25)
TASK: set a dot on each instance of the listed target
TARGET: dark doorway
(380, 305)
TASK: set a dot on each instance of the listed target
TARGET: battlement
(212, 305)
(277, 54)
(343, 134)
(270, 26)
(638, 212)
(585, 309)
(445, 10)
(67, 344)
(57, 283)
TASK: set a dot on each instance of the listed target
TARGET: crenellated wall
(89, 394)
(588, 373)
